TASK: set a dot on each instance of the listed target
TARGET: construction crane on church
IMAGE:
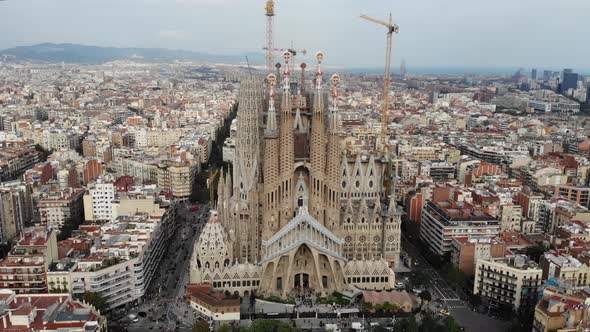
(269, 48)
(391, 28)
(270, 13)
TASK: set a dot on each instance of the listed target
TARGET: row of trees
(200, 190)
(427, 324)
(261, 325)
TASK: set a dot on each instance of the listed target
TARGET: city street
(444, 297)
(164, 307)
(438, 287)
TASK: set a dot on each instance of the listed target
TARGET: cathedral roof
(212, 245)
(297, 232)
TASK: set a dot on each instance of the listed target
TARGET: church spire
(287, 73)
(271, 122)
(334, 114)
(318, 74)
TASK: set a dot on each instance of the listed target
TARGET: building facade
(443, 221)
(296, 209)
(508, 283)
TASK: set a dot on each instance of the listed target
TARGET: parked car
(133, 318)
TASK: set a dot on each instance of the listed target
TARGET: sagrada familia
(297, 214)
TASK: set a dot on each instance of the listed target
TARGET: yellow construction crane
(270, 13)
(212, 177)
(269, 48)
(391, 28)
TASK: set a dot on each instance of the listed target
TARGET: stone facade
(295, 210)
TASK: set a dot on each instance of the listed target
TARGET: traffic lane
(425, 266)
(474, 321)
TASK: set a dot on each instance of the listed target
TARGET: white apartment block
(98, 202)
(123, 258)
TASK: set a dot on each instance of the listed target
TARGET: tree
(451, 325)
(367, 306)
(456, 277)
(224, 328)
(201, 326)
(425, 296)
(412, 324)
(420, 278)
(429, 324)
(95, 300)
(199, 190)
(535, 252)
(5, 248)
(475, 300)
(44, 152)
(264, 325)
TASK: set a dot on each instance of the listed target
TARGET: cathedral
(296, 214)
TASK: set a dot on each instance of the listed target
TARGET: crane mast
(391, 28)
(270, 13)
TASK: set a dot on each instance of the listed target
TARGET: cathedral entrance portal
(301, 281)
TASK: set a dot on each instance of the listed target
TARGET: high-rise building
(534, 74)
(402, 69)
(570, 81)
(546, 75)
(297, 214)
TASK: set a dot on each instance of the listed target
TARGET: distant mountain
(74, 53)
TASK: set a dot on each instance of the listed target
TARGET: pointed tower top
(318, 75)
(286, 75)
(302, 83)
(271, 122)
(392, 209)
(377, 208)
(334, 116)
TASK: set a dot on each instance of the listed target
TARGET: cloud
(172, 34)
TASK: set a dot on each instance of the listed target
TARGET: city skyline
(469, 39)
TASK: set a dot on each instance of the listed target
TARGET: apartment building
(15, 160)
(576, 194)
(123, 257)
(140, 199)
(176, 177)
(445, 220)
(565, 268)
(466, 251)
(15, 209)
(47, 313)
(98, 201)
(508, 283)
(23, 269)
(510, 217)
(57, 207)
(562, 310)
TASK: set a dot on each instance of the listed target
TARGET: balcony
(103, 279)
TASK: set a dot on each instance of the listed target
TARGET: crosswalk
(455, 304)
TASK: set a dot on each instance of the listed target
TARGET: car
(133, 318)
(399, 285)
(443, 312)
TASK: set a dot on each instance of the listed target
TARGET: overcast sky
(433, 33)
